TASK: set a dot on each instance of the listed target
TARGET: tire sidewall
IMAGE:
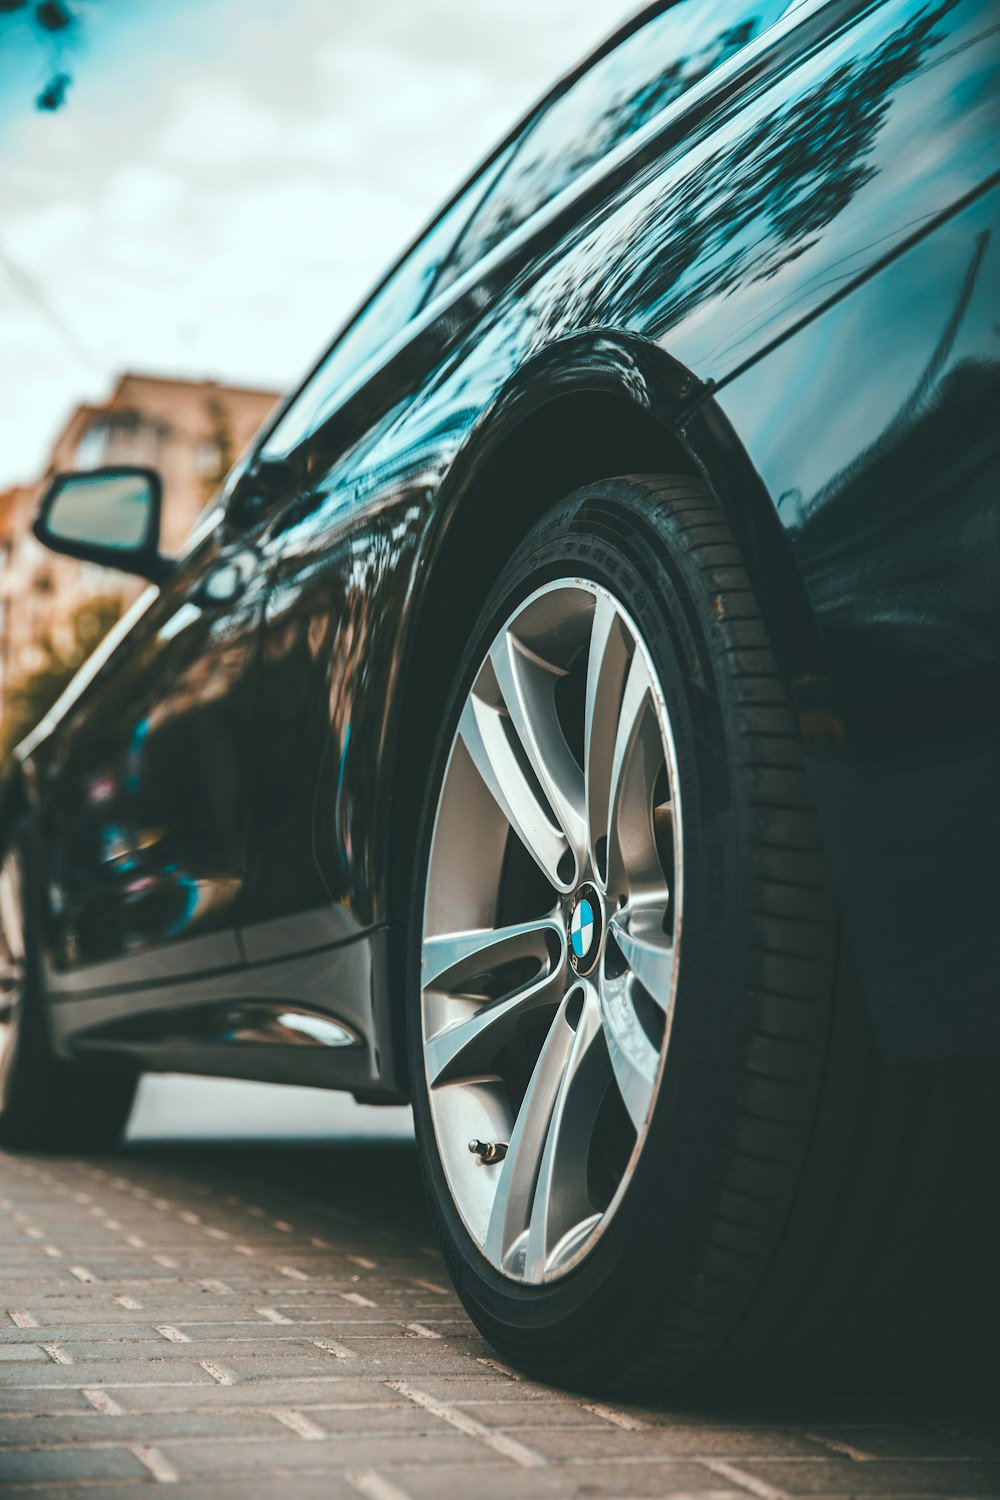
(614, 535)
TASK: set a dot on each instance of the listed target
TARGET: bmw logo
(585, 930)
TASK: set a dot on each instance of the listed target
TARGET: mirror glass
(104, 510)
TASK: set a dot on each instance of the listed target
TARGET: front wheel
(656, 1138)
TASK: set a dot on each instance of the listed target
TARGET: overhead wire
(29, 290)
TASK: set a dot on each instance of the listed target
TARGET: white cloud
(44, 238)
(213, 124)
(230, 176)
(141, 198)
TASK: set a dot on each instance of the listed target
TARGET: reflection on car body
(752, 244)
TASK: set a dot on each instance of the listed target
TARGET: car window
(394, 303)
(613, 99)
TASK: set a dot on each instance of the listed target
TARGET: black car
(579, 714)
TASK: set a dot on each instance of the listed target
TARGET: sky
(229, 177)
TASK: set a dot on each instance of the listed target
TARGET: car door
(316, 626)
(145, 778)
(160, 752)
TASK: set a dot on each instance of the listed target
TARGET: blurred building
(189, 430)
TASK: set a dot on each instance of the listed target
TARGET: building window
(208, 457)
(119, 438)
(92, 448)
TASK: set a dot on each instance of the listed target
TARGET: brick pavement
(257, 1322)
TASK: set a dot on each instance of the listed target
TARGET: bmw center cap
(582, 930)
(585, 930)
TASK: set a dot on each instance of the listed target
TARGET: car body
(757, 243)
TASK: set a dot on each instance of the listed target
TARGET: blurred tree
(31, 696)
(54, 22)
(221, 444)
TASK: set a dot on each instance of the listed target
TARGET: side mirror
(106, 516)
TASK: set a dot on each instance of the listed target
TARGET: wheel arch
(586, 408)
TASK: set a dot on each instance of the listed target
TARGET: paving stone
(61, 1333)
(320, 1487)
(333, 1391)
(928, 1477)
(118, 1372)
(43, 1402)
(613, 1442)
(439, 1449)
(92, 1426)
(267, 1374)
(69, 1463)
(510, 1416)
(614, 1481)
(157, 1346)
(607, 1437)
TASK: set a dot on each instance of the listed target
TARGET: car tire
(46, 1102)
(790, 1210)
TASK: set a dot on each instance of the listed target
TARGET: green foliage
(30, 697)
(222, 438)
(54, 22)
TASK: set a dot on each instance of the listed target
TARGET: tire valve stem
(487, 1152)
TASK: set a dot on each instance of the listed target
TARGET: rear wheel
(658, 1143)
(46, 1102)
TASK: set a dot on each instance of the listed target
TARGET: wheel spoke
(454, 958)
(648, 952)
(468, 1045)
(527, 687)
(632, 860)
(511, 1211)
(561, 1200)
(483, 732)
(541, 1190)
(607, 664)
(634, 1059)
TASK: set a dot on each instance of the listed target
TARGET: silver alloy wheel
(551, 929)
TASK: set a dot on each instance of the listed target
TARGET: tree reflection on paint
(765, 198)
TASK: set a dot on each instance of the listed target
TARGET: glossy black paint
(784, 279)
(894, 516)
(145, 801)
